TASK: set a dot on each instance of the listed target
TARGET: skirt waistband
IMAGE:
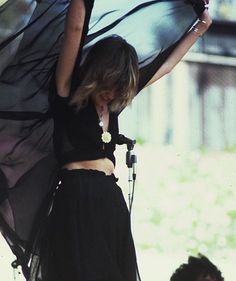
(85, 172)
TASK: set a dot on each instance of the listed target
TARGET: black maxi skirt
(88, 235)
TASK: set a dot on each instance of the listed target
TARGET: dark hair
(111, 65)
(197, 269)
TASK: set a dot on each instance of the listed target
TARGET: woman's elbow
(165, 69)
(159, 74)
(76, 27)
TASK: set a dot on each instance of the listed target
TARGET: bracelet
(196, 30)
(201, 21)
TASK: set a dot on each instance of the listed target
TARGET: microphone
(134, 161)
(131, 162)
(124, 140)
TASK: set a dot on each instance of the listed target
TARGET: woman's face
(104, 97)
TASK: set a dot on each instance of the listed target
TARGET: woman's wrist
(205, 16)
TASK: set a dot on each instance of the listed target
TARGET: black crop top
(77, 135)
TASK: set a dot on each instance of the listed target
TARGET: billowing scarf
(30, 38)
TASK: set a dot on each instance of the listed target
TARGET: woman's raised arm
(71, 42)
(184, 45)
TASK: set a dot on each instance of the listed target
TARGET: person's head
(110, 70)
(197, 269)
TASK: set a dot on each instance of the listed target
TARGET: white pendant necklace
(106, 136)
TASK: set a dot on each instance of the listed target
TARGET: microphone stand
(131, 161)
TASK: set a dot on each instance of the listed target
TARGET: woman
(88, 199)
(88, 235)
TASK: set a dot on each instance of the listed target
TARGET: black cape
(30, 38)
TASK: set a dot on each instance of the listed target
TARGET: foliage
(186, 200)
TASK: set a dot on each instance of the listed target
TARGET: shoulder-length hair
(111, 65)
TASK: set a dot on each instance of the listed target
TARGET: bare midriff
(103, 165)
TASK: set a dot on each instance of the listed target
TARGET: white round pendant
(100, 123)
(106, 137)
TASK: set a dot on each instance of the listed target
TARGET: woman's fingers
(206, 4)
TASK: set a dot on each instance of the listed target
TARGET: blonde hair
(111, 65)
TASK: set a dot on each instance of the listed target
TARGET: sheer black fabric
(30, 40)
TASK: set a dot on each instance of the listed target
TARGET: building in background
(195, 105)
